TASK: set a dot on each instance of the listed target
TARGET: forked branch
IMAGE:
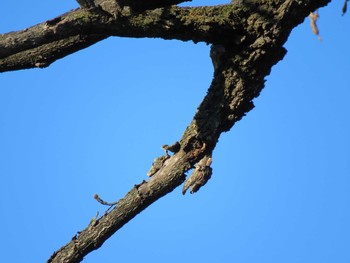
(247, 38)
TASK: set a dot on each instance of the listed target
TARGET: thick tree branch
(232, 24)
(247, 38)
(238, 79)
(81, 28)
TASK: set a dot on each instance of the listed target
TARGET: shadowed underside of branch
(247, 39)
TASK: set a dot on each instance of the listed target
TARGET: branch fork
(247, 38)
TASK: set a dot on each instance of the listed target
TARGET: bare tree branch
(232, 24)
(247, 38)
(81, 28)
(238, 79)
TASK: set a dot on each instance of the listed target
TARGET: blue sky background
(94, 121)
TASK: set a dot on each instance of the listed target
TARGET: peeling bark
(247, 39)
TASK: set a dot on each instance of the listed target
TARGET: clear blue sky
(94, 121)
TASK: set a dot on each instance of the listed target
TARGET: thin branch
(102, 202)
(345, 7)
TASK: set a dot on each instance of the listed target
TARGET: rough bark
(247, 39)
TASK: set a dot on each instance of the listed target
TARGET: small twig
(345, 7)
(96, 196)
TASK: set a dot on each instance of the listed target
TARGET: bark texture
(247, 38)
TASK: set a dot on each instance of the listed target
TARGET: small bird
(174, 148)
